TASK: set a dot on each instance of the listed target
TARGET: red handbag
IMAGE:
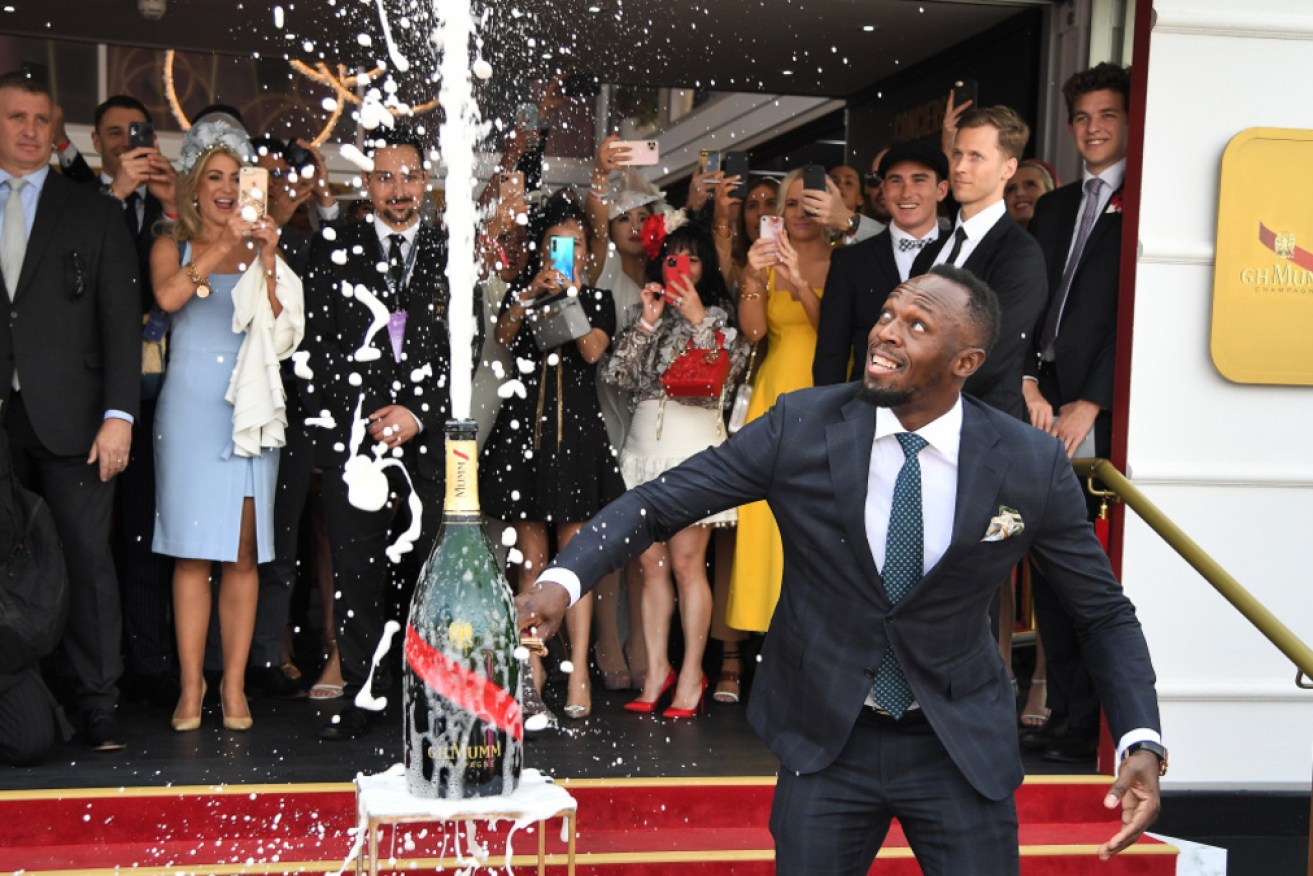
(698, 373)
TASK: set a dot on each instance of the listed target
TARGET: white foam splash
(364, 699)
(378, 310)
(356, 157)
(510, 388)
(398, 60)
(301, 365)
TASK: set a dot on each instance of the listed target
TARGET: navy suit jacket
(1010, 261)
(809, 459)
(1085, 352)
(860, 279)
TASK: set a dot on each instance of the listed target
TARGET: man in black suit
(70, 368)
(902, 504)
(986, 147)
(1069, 374)
(146, 186)
(376, 308)
(915, 179)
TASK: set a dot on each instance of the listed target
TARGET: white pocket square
(1007, 524)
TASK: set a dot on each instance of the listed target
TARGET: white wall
(1232, 464)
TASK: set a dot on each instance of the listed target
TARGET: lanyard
(410, 266)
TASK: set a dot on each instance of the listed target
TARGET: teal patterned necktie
(904, 559)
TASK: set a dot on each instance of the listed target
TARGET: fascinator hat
(636, 192)
(214, 131)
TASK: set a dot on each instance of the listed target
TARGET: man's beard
(882, 398)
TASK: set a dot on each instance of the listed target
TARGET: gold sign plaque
(1263, 275)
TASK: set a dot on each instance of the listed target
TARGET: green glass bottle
(463, 724)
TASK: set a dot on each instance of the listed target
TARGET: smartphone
(771, 226)
(964, 90)
(299, 158)
(526, 116)
(676, 267)
(813, 177)
(560, 251)
(141, 135)
(252, 192)
(641, 152)
(736, 164)
(708, 161)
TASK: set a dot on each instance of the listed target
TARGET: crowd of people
(300, 343)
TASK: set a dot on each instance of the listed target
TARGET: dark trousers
(81, 506)
(145, 577)
(371, 589)
(1071, 694)
(835, 820)
(27, 718)
(295, 464)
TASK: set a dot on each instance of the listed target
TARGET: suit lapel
(926, 260)
(1102, 223)
(848, 445)
(983, 254)
(49, 207)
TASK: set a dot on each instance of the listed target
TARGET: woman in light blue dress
(211, 503)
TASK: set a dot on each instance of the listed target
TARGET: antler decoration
(320, 73)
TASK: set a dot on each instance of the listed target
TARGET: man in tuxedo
(986, 147)
(1069, 373)
(915, 179)
(70, 369)
(145, 186)
(391, 376)
(880, 687)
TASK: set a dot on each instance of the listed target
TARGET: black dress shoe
(102, 731)
(1072, 749)
(271, 681)
(351, 723)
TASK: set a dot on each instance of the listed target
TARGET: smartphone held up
(252, 192)
(560, 252)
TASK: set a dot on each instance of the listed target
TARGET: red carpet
(626, 826)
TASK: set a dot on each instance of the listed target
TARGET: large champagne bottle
(464, 727)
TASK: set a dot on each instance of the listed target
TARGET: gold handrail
(1257, 614)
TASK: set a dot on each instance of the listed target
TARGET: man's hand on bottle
(542, 609)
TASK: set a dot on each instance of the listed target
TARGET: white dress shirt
(976, 228)
(904, 259)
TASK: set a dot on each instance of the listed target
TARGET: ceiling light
(868, 27)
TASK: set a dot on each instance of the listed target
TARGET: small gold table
(383, 799)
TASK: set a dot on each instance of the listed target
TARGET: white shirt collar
(943, 434)
(899, 234)
(1112, 177)
(385, 231)
(978, 225)
(36, 180)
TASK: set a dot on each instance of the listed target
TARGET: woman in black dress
(547, 461)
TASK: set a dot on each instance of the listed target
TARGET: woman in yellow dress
(780, 298)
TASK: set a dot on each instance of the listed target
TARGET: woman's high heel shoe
(192, 722)
(667, 688)
(698, 709)
(236, 723)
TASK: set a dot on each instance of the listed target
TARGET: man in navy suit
(1069, 372)
(884, 701)
(915, 179)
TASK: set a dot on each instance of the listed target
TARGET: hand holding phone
(252, 192)
(675, 273)
(708, 162)
(560, 252)
(771, 226)
(141, 135)
(736, 164)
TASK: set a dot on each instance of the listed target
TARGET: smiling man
(986, 147)
(915, 180)
(1069, 374)
(902, 504)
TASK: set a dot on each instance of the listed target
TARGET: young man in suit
(880, 688)
(915, 179)
(393, 378)
(70, 372)
(145, 186)
(986, 147)
(1069, 374)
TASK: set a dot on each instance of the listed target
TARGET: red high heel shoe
(645, 708)
(699, 709)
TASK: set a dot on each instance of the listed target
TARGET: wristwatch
(1154, 748)
(854, 223)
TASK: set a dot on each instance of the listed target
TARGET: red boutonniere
(654, 234)
(1115, 203)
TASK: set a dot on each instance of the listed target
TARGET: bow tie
(907, 244)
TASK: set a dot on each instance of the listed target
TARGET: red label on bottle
(473, 693)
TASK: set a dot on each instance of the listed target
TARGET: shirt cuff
(118, 415)
(328, 214)
(1031, 379)
(418, 424)
(564, 577)
(1139, 734)
(68, 155)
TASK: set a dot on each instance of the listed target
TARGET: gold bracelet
(202, 285)
(749, 296)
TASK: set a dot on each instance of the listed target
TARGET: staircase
(627, 827)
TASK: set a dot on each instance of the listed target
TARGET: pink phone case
(641, 152)
(771, 226)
